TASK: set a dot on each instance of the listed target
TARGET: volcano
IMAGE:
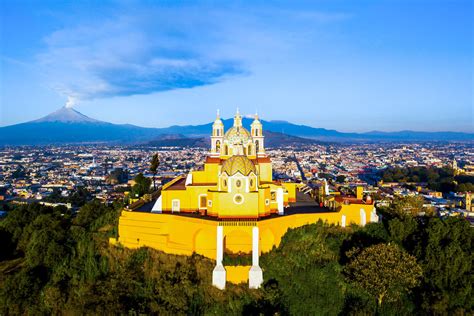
(67, 115)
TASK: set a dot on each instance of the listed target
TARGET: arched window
(218, 146)
(226, 150)
(257, 146)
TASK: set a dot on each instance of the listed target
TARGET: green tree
(406, 206)
(444, 250)
(155, 162)
(385, 271)
(340, 179)
(141, 186)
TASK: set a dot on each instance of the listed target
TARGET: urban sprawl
(53, 175)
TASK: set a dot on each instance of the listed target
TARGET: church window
(238, 199)
(202, 201)
(257, 146)
(267, 202)
(251, 182)
(175, 206)
(238, 183)
(209, 203)
(226, 150)
(225, 183)
(218, 146)
(273, 196)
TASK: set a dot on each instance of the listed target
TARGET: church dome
(237, 135)
(238, 164)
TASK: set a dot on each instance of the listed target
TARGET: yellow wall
(208, 175)
(189, 198)
(237, 274)
(291, 188)
(223, 202)
(265, 172)
(184, 235)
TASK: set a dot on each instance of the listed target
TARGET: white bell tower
(217, 137)
(256, 131)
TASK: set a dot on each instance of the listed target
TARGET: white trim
(189, 179)
(158, 206)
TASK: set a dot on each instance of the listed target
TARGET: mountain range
(67, 125)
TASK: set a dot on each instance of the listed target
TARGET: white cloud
(161, 49)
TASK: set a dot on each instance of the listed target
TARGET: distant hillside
(323, 134)
(67, 125)
(179, 141)
(272, 139)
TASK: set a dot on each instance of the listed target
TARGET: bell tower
(256, 131)
(217, 137)
(237, 119)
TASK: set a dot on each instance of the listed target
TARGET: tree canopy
(385, 271)
(438, 179)
(54, 262)
(141, 186)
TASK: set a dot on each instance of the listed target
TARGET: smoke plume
(71, 101)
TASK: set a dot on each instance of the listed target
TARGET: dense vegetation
(53, 262)
(438, 179)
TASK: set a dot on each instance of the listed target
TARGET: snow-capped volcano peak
(67, 115)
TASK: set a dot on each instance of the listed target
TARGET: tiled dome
(238, 164)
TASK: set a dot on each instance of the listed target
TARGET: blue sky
(345, 65)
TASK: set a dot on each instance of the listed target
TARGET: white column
(343, 221)
(363, 219)
(374, 218)
(219, 273)
(255, 273)
(220, 245)
(279, 197)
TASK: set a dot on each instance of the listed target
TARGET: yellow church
(233, 206)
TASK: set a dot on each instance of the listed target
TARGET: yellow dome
(238, 164)
(237, 134)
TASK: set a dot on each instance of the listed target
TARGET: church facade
(236, 181)
(234, 206)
